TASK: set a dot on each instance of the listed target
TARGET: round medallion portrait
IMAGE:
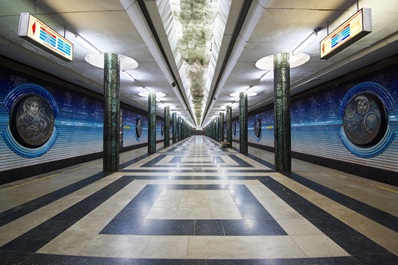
(365, 120)
(257, 128)
(138, 128)
(32, 121)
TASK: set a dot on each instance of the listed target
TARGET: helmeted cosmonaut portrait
(34, 121)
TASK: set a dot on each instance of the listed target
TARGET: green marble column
(166, 127)
(282, 128)
(151, 122)
(218, 129)
(229, 124)
(185, 130)
(179, 128)
(174, 120)
(243, 142)
(221, 135)
(111, 135)
(182, 129)
(214, 130)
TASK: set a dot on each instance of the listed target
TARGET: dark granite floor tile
(73, 213)
(133, 161)
(311, 212)
(48, 230)
(182, 187)
(140, 204)
(12, 257)
(169, 262)
(176, 159)
(237, 262)
(254, 211)
(133, 213)
(214, 187)
(355, 243)
(154, 161)
(378, 259)
(166, 227)
(252, 228)
(305, 261)
(209, 228)
(24, 244)
(218, 160)
(41, 259)
(243, 197)
(329, 224)
(240, 161)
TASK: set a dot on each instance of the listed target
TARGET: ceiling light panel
(195, 31)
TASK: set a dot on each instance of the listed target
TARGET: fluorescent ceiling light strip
(129, 75)
(86, 43)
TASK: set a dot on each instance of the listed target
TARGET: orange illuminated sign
(38, 33)
(353, 29)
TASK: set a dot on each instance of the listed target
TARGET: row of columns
(282, 127)
(111, 134)
(282, 117)
(180, 129)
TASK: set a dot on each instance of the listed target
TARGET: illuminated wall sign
(38, 33)
(353, 29)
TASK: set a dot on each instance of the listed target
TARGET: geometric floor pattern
(192, 203)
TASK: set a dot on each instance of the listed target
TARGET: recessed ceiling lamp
(296, 59)
(97, 60)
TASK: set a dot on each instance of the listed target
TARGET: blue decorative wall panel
(317, 122)
(130, 136)
(159, 130)
(235, 130)
(79, 123)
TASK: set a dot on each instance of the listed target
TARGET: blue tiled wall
(316, 122)
(79, 123)
(129, 128)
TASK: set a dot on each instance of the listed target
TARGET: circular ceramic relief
(364, 120)
(138, 128)
(32, 121)
(257, 128)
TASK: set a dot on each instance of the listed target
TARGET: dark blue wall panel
(317, 121)
(79, 122)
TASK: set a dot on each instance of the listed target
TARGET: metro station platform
(197, 202)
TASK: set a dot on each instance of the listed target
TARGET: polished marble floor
(196, 202)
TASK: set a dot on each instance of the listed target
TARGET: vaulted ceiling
(181, 63)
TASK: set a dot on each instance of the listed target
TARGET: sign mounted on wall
(353, 29)
(41, 35)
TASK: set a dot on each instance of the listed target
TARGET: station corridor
(196, 202)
